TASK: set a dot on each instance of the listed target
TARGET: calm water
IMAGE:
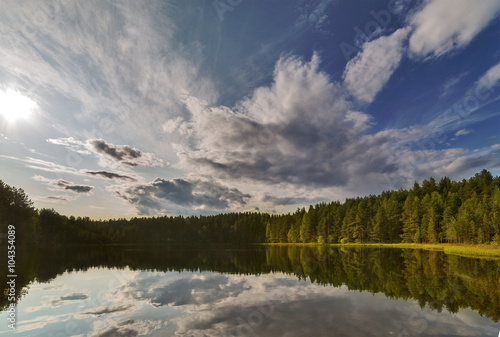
(256, 291)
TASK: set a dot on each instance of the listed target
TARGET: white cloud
(170, 196)
(300, 132)
(490, 79)
(295, 131)
(313, 14)
(462, 132)
(367, 73)
(445, 25)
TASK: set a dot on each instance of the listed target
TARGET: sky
(128, 108)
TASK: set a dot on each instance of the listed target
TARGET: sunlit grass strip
(492, 250)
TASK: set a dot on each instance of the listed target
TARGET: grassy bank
(490, 251)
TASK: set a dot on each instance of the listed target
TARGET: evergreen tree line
(466, 211)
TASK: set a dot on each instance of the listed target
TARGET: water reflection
(262, 291)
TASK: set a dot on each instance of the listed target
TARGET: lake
(181, 290)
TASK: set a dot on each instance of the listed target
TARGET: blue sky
(118, 109)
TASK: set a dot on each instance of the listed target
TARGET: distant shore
(470, 250)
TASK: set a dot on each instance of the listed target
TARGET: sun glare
(15, 106)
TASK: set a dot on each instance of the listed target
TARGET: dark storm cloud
(74, 297)
(123, 154)
(118, 152)
(72, 187)
(110, 175)
(61, 184)
(78, 188)
(60, 198)
(159, 194)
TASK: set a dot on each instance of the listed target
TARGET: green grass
(487, 251)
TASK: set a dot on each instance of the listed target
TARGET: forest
(466, 211)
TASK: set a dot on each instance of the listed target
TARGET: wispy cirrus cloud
(55, 199)
(48, 166)
(71, 144)
(126, 328)
(490, 79)
(43, 165)
(117, 61)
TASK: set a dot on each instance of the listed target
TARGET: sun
(15, 106)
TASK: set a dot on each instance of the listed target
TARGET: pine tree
(322, 236)
(411, 220)
(379, 223)
(393, 228)
(434, 218)
(362, 221)
(337, 215)
(348, 225)
(305, 228)
(448, 224)
(294, 233)
(466, 222)
(482, 216)
(426, 217)
(495, 214)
